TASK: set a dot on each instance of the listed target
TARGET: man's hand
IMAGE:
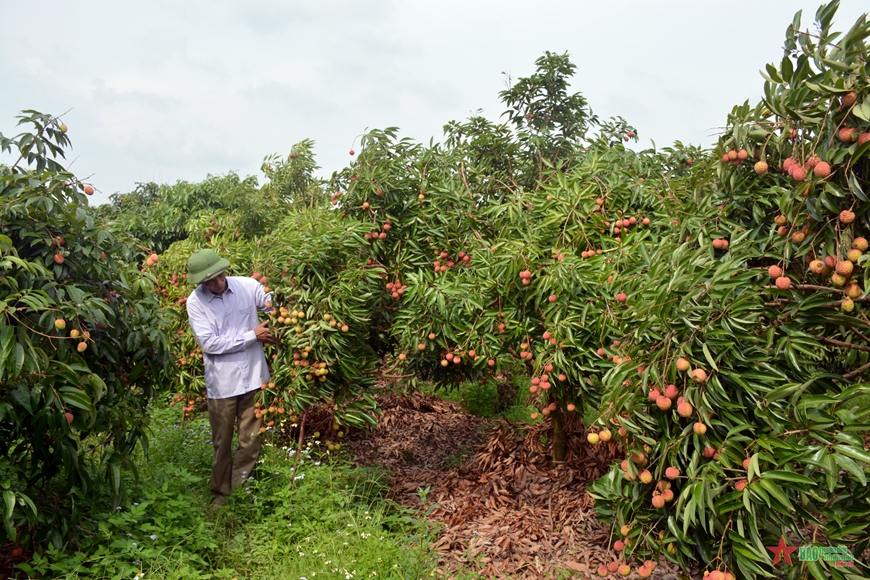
(264, 335)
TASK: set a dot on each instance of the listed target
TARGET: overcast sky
(175, 90)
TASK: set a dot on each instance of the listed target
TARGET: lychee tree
(749, 418)
(82, 341)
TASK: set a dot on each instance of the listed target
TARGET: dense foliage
(703, 310)
(82, 340)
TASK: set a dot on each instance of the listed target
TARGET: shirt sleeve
(261, 298)
(212, 343)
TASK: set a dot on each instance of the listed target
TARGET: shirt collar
(209, 296)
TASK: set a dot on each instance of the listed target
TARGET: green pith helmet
(205, 264)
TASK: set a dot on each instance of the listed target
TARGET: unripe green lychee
(593, 438)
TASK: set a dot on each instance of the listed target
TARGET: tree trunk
(558, 454)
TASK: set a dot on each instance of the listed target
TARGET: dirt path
(506, 514)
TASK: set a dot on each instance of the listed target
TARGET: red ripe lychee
(699, 428)
(830, 262)
(782, 231)
(726, 158)
(613, 566)
(685, 409)
(783, 282)
(552, 298)
(847, 134)
(854, 291)
(351, 152)
(774, 272)
(683, 364)
(798, 237)
(69, 417)
(618, 545)
(845, 268)
(602, 571)
(847, 305)
(624, 570)
(849, 99)
(646, 476)
(817, 266)
(797, 172)
(787, 164)
(847, 217)
(672, 473)
(668, 494)
(600, 352)
(621, 297)
(822, 170)
(742, 155)
(709, 452)
(854, 255)
(746, 463)
(658, 501)
(780, 220)
(671, 392)
(644, 572)
(860, 244)
(663, 403)
(654, 395)
(838, 280)
(699, 375)
(732, 155)
(863, 138)
(89, 190)
(739, 486)
(58, 258)
(761, 167)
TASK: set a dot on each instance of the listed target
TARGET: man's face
(216, 285)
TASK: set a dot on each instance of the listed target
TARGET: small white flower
(153, 537)
(132, 543)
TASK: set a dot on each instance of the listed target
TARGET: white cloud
(169, 90)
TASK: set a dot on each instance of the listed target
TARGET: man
(223, 316)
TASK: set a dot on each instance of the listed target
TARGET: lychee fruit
(860, 244)
(817, 266)
(699, 375)
(613, 566)
(709, 452)
(654, 395)
(849, 99)
(646, 476)
(624, 570)
(740, 486)
(797, 172)
(823, 170)
(742, 155)
(845, 268)
(847, 305)
(644, 572)
(853, 255)
(671, 392)
(683, 365)
(621, 297)
(780, 220)
(685, 409)
(863, 138)
(838, 280)
(774, 272)
(593, 438)
(658, 501)
(663, 403)
(746, 463)
(854, 291)
(699, 428)
(783, 282)
(672, 473)
(761, 167)
(847, 134)
(846, 217)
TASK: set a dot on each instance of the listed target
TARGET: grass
(304, 515)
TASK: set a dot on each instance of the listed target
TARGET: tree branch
(836, 342)
(856, 372)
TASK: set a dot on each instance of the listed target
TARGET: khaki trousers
(228, 472)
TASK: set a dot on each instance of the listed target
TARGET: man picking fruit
(223, 316)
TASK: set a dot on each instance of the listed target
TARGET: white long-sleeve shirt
(235, 362)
